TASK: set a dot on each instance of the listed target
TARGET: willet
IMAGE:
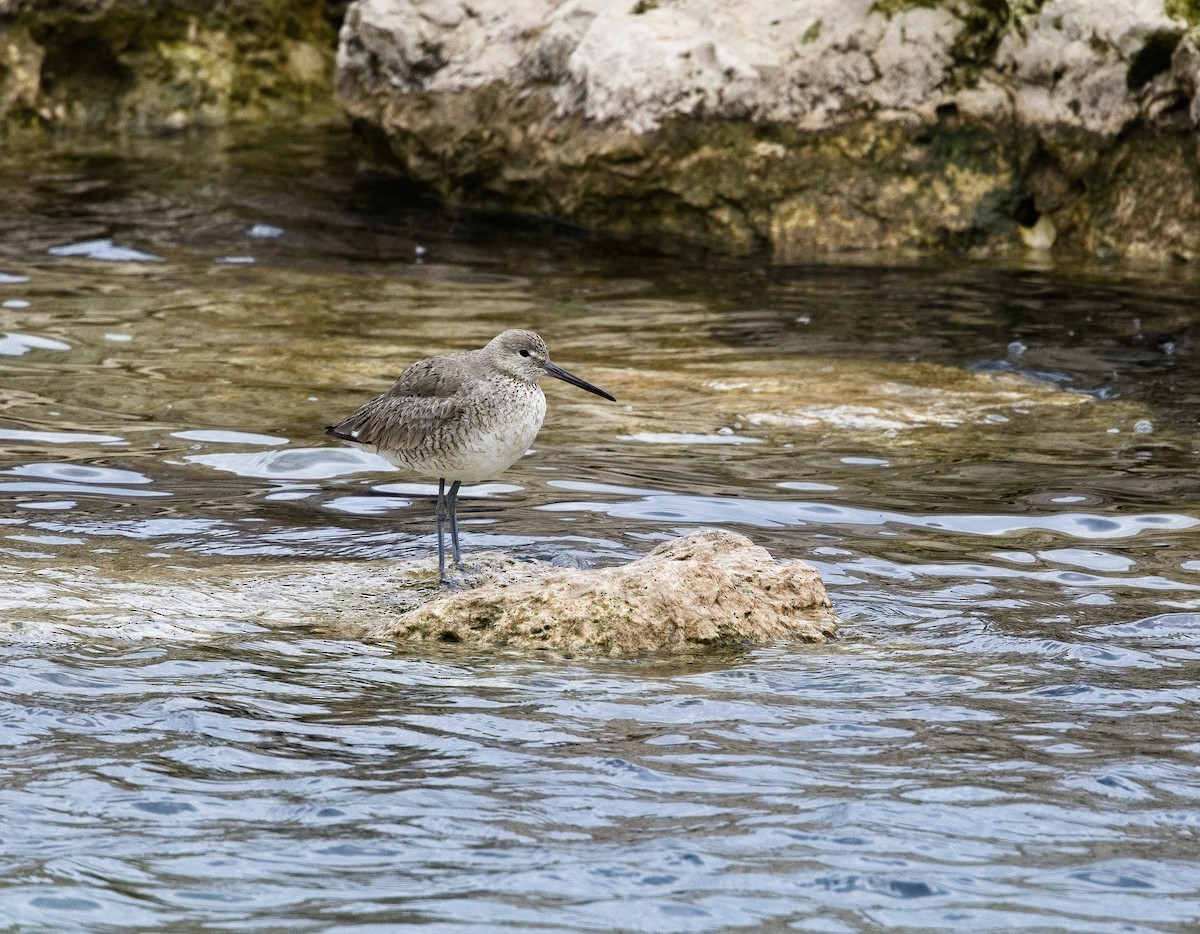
(460, 417)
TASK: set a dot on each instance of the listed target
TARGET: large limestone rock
(811, 125)
(705, 589)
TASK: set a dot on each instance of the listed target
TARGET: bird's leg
(441, 518)
(452, 501)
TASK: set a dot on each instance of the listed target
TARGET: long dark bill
(559, 373)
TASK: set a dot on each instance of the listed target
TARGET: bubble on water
(236, 260)
(16, 303)
(725, 431)
(804, 319)
(264, 232)
(1143, 427)
(1016, 349)
(1168, 347)
(8, 278)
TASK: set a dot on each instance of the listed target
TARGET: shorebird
(460, 417)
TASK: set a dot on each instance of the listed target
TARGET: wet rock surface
(810, 127)
(708, 588)
(703, 590)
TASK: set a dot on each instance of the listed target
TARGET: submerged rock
(708, 588)
(812, 126)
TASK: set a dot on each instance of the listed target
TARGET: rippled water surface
(995, 468)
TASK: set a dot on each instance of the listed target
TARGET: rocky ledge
(706, 589)
(807, 125)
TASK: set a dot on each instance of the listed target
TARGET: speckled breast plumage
(476, 437)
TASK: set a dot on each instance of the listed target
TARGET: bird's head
(523, 356)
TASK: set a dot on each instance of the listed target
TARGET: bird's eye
(524, 353)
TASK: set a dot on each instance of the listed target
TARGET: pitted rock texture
(709, 588)
(806, 125)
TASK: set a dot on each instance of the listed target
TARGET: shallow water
(1003, 737)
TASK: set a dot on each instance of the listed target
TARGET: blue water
(1003, 737)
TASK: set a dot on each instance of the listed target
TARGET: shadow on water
(993, 466)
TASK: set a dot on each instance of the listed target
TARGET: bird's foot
(451, 584)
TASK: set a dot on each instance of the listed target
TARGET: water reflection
(17, 345)
(294, 463)
(106, 251)
(58, 437)
(1003, 736)
(229, 437)
(718, 510)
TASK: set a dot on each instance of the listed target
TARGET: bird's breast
(501, 434)
(494, 428)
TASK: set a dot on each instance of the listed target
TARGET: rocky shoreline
(806, 128)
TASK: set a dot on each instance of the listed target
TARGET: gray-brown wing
(398, 423)
(435, 377)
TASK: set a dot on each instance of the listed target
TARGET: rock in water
(705, 589)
